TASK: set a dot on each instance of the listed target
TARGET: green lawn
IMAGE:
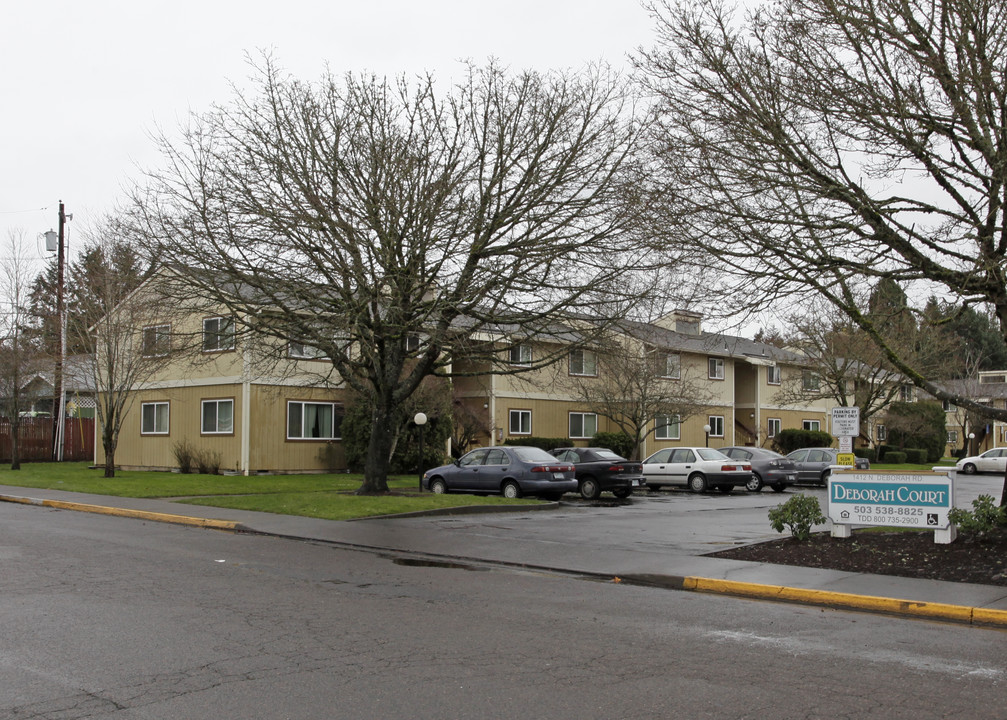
(327, 496)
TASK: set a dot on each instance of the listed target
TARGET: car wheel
(697, 482)
(511, 490)
(755, 484)
(825, 477)
(969, 469)
(622, 493)
(726, 488)
(779, 487)
(437, 486)
(589, 488)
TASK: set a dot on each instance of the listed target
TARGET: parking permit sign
(916, 500)
(845, 421)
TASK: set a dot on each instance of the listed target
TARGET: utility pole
(58, 394)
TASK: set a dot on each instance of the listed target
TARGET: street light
(706, 429)
(420, 419)
(972, 436)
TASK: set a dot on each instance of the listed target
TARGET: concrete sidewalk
(957, 602)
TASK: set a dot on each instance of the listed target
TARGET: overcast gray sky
(84, 84)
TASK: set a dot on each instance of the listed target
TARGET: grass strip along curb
(869, 603)
(228, 525)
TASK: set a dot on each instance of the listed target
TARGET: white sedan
(991, 461)
(698, 468)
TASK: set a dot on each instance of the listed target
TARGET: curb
(227, 525)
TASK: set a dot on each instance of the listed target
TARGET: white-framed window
(716, 425)
(154, 418)
(156, 340)
(668, 427)
(716, 366)
(672, 366)
(303, 351)
(773, 375)
(953, 437)
(811, 381)
(583, 425)
(882, 433)
(948, 406)
(774, 427)
(218, 334)
(520, 355)
(583, 362)
(519, 422)
(811, 424)
(313, 420)
(906, 393)
(217, 417)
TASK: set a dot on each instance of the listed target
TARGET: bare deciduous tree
(394, 228)
(818, 146)
(16, 352)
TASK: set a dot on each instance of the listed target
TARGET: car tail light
(552, 468)
(731, 468)
(615, 468)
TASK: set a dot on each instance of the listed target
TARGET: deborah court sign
(917, 500)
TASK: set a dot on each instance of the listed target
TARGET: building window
(811, 381)
(672, 366)
(218, 334)
(812, 425)
(953, 437)
(313, 420)
(412, 342)
(775, 425)
(882, 433)
(668, 427)
(716, 425)
(154, 418)
(716, 368)
(520, 355)
(773, 374)
(583, 425)
(906, 393)
(520, 422)
(156, 340)
(583, 362)
(948, 406)
(303, 351)
(218, 417)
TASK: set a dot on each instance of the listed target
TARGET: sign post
(846, 426)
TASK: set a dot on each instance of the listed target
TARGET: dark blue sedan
(512, 471)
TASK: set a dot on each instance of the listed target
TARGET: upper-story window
(716, 368)
(520, 355)
(583, 362)
(218, 334)
(671, 367)
(773, 375)
(906, 393)
(413, 342)
(811, 381)
(156, 340)
(948, 406)
(303, 351)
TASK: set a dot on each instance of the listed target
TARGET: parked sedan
(768, 467)
(813, 464)
(994, 460)
(512, 471)
(698, 468)
(600, 469)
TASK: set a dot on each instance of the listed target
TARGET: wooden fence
(36, 439)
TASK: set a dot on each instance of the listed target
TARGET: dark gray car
(813, 464)
(768, 467)
(512, 471)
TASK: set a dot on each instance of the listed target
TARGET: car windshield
(533, 455)
(607, 455)
(769, 454)
(711, 454)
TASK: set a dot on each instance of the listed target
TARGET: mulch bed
(906, 554)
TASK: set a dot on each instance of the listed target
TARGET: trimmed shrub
(799, 514)
(894, 458)
(917, 456)
(984, 517)
(543, 443)
(918, 425)
(619, 443)
(786, 441)
(870, 453)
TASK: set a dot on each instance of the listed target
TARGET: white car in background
(991, 461)
(698, 468)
